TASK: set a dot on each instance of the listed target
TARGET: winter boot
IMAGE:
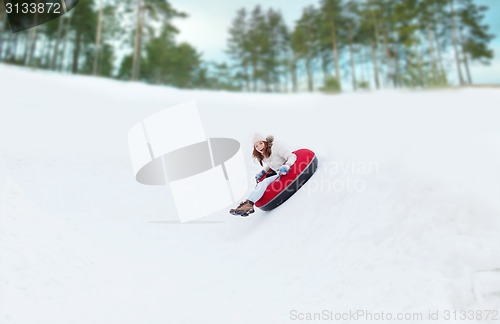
(245, 208)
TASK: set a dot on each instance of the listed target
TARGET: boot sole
(241, 213)
(245, 213)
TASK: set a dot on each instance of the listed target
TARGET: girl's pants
(259, 190)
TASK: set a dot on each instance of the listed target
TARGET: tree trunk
(33, 38)
(310, 82)
(254, 76)
(464, 55)
(1, 45)
(136, 65)
(455, 41)
(277, 82)
(65, 44)
(467, 70)
(375, 64)
(353, 69)
(420, 64)
(397, 79)
(267, 79)
(389, 58)
(335, 52)
(432, 53)
(293, 70)
(56, 45)
(267, 84)
(440, 57)
(13, 47)
(375, 49)
(351, 56)
(46, 56)
(324, 67)
(97, 52)
(32, 44)
(27, 47)
(24, 47)
(3, 27)
(365, 69)
(76, 52)
(246, 76)
(286, 75)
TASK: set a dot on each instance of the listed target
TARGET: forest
(334, 45)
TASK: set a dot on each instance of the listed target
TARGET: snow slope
(403, 215)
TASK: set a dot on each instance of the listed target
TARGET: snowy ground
(403, 215)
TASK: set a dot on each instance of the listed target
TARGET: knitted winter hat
(257, 138)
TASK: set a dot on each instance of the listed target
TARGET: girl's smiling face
(259, 146)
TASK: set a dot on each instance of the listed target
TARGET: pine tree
(331, 20)
(148, 13)
(84, 25)
(238, 46)
(306, 41)
(473, 35)
(370, 31)
(273, 46)
(454, 35)
(352, 25)
(98, 41)
(103, 58)
(3, 27)
(430, 17)
(256, 39)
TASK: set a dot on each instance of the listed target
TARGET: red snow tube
(279, 191)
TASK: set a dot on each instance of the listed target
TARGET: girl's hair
(268, 143)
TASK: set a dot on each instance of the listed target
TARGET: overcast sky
(209, 21)
(206, 28)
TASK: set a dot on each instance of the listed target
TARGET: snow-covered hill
(403, 215)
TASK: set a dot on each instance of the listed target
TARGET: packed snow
(402, 216)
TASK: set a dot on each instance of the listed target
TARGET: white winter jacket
(280, 155)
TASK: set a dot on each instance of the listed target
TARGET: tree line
(365, 43)
(370, 43)
(127, 40)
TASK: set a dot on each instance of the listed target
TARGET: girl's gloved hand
(259, 175)
(284, 169)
